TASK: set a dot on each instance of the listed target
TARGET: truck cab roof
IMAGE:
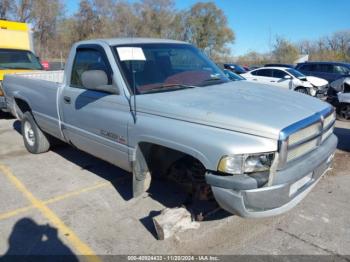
(125, 41)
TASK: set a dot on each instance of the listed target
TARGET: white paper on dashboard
(131, 53)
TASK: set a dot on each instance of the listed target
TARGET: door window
(88, 59)
(340, 70)
(279, 73)
(325, 68)
(264, 72)
(308, 67)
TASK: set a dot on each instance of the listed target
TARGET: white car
(288, 78)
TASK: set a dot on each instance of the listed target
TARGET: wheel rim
(29, 133)
(344, 112)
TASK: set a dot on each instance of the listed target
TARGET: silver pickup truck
(147, 105)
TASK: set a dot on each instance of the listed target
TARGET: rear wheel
(35, 140)
(302, 90)
(343, 112)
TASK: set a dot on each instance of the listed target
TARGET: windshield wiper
(212, 79)
(169, 87)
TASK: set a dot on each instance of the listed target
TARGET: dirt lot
(68, 202)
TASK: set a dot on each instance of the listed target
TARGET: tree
(24, 10)
(155, 18)
(284, 51)
(125, 21)
(6, 9)
(254, 58)
(87, 21)
(208, 29)
(44, 15)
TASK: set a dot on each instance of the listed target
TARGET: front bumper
(279, 198)
(322, 91)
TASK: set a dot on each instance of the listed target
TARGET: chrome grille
(328, 120)
(327, 133)
(305, 133)
(305, 136)
(302, 150)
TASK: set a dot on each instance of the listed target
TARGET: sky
(257, 22)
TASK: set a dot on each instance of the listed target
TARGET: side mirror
(97, 80)
(287, 77)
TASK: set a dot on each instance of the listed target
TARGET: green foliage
(284, 51)
(206, 27)
(204, 24)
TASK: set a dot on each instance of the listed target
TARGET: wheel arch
(21, 106)
(149, 153)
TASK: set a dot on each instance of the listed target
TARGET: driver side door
(95, 121)
(278, 79)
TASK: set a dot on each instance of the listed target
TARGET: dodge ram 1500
(146, 104)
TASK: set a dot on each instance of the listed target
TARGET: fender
(15, 108)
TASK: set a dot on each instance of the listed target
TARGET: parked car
(235, 68)
(330, 71)
(289, 78)
(279, 65)
(151, 106)
(45, 64)
(253, 67)
(233, 76)
(339, 97)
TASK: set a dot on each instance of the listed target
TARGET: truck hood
(240, 106)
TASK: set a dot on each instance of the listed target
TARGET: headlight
(248, 163)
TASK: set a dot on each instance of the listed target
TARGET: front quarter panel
(205, 143)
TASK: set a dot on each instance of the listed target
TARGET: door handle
(273, 81)
(66, 99)
(255, 79)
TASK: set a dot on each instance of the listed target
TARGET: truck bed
(39, 90)
(51, 76)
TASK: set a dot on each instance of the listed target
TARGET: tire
(302, 90)
(343, 112)
(35, 140)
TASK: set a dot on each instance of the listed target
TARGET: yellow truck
(16, 52)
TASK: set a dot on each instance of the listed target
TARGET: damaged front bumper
(242, 196)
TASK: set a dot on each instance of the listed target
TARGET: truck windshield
(166, 67)
(18, 59)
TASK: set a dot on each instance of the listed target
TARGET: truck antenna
(134, 89)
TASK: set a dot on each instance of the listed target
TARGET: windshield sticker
(131, 53)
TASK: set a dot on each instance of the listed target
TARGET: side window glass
(341, 70)
(325, 68)
(306, 68)
(255, 73)
(279, 73)
(265, 72)
(88, 59)
(310, 67)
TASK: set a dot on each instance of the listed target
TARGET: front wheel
(302, 90)
(35, 140)
(343, 112)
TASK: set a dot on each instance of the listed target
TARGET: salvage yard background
(68, 202)
(204, 24)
